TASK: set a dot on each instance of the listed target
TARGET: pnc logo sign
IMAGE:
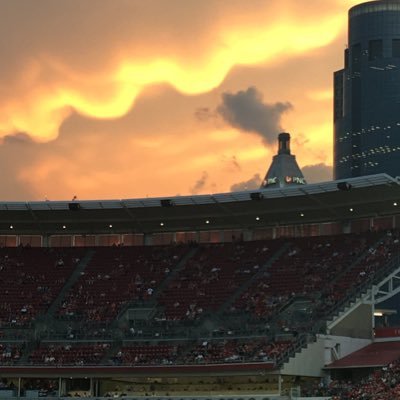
(288, 179)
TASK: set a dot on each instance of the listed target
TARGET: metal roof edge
(225, 197)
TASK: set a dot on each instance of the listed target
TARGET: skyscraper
(367, 93)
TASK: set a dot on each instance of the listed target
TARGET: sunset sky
(136, 98)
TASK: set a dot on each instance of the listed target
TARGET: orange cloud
(54, 81)
(128, 168)
(109, 93)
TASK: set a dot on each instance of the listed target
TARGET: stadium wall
(205, 236)
(312, 359)
(356, 323)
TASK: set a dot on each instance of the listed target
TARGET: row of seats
(117, 275)
(324, 270)
(32, 278)
(69, 354)
(210, 277)
(192, 352)
(268, 274)
(261, 350)
(10, 353)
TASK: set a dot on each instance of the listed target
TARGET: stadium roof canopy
(344, 200)
(374, 355)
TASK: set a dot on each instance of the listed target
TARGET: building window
(396, 48)
(375, 50)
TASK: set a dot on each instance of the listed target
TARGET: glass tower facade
(367, 93)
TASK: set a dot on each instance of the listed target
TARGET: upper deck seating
(212, 276)
(308, 265)
(117, 275)
(31, 279)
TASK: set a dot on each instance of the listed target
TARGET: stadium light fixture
(301, 215)
(351, 209)
(344, 186)
(395, 204)
(11, 227)
(74, 206)
(161, 223)
(257, 218)
(256, 196)
(64, 227)
(110, 226)
(207, 222)
(166, 203)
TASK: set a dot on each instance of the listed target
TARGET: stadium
(256, 294)
(288, 291)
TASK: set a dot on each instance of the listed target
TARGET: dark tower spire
(284, 170)
(284, 143)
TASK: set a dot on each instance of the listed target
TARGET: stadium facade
(235, 294)
(367, 93)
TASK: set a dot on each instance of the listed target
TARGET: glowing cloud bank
(53, 81)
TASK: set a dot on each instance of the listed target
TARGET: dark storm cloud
(247, 111)
(253, 183)
(317, 173)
